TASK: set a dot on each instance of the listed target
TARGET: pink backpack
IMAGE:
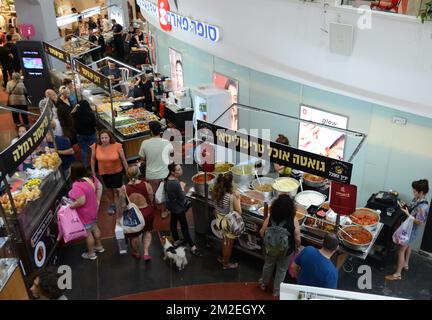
(70, 226)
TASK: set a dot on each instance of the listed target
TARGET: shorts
(113, 181)
(90, 225)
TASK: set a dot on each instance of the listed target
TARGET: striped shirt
(224, 207)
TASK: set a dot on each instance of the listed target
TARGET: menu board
(95, 77)
(57, 53)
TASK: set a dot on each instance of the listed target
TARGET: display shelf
(3, 241)
(7, 268)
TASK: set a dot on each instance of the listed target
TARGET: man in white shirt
(105, 24)
(155, 152)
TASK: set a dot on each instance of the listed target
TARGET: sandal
(228, 266)
(406, 268)
(393, 277)
(147, 257)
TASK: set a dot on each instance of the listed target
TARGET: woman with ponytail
(226, 200)
(140, 193)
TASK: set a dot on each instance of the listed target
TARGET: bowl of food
(199, 182)
(264, 185)
(355, 237)
(309, 198)
(222, 167)
(313, 181)
(285, 185)
(251, 200)
(243, 174)
(366, 218)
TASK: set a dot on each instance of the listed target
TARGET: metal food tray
(315, 231)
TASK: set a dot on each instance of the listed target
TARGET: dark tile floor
(113, 275)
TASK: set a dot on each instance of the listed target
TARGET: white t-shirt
(156, 152)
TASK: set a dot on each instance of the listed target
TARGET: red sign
(343, 198)
(163, 8)
(27, 30)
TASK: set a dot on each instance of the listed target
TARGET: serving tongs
(354, 239)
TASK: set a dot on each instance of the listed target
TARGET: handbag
(70, 226)
(132, 220)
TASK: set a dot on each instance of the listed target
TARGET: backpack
(276, 240)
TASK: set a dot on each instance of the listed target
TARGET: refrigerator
(209, 103)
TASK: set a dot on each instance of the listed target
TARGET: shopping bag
(403, 234)
(132, 219)
(160, 193)
(70, 226)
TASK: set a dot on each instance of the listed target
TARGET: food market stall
(30, 194)
(66, 50)
(357, 233)
(113, 108)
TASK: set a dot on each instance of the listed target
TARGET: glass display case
(8, 260)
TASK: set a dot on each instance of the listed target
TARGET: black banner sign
(97, 78)
(332, 169)
(57, 53)
(15, 154)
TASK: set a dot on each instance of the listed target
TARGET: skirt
(113, 181)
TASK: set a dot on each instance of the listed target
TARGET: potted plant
(426, 13)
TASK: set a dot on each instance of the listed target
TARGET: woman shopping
(177, 204)
(112, 163)
(17, 99)
(417, 209)
(140, 193)
(86, 193)
(227, 200)
(277, 258)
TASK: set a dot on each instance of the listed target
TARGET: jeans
(281, 264)
(85, 142)
(181, 217)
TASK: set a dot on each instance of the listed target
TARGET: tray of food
(318, 227)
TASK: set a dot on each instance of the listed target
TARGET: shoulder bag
(132, 220)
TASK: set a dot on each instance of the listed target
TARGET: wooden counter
(15, 288)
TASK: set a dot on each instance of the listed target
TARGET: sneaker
(112, 209)
(234, 265)
(86, 256)
(99, 249)
(262, 286)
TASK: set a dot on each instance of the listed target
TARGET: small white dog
(177, 255)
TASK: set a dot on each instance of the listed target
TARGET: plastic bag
(403, 234)
(160, 193)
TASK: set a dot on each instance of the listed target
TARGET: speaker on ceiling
(341, 38)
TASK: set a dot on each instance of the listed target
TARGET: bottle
(121, 242)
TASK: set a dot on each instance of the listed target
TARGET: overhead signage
(15, 154)
(332, 169)
(97, 78)
(169, 20)
(57, 53)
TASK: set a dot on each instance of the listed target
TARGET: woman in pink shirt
(86, 193)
